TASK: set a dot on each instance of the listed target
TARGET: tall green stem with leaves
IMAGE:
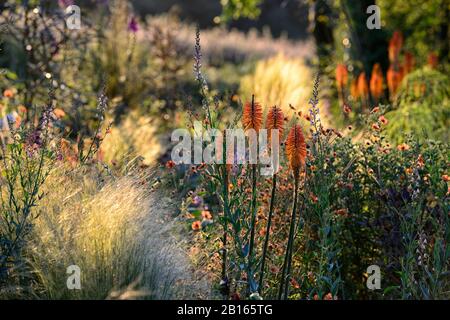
(285, 275)
(269, 224)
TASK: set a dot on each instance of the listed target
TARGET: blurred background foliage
(139, 53)
(422, 106)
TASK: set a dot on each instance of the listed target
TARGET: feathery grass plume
(252, 115)
(279, 81)
(275, 121)
(296, 154)
(198, 56)
(114, 230)
(376, 82)
(395, 45)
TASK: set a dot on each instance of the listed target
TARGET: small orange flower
(18, 121)
(295, 284)
(8, 93)
(342, 212)
(206, 215)
(383, 120)
(375, 110)
(196, 225)
(403, 147)
(21, 109)
(59, 113)
(375, 126)
(252, 116)
(408, 171)
(347, 108)
(446, 178)
(170, 164)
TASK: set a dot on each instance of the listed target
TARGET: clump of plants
(338, 206)
(27, 152)
(421, 107)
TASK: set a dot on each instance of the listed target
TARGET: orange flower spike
(252, 115)
(394, 78)
(433, 60)
(395, 45)
(341, 76)
(275, 121)
(376, 81)
(363, 89)
(296, 149)
(409, 63)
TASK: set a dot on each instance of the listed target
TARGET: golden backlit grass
(114, 230)
(279, 81)
(135, 136)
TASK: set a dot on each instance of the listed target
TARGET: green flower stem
(269, 223)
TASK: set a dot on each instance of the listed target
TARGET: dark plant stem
(269, 224)
(226, 212)
(285, 276)
(252, 230)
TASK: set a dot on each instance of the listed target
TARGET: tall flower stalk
(275, 121)
(296, 155)
(252, 119)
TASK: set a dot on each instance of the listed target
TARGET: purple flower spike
(133, 25)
